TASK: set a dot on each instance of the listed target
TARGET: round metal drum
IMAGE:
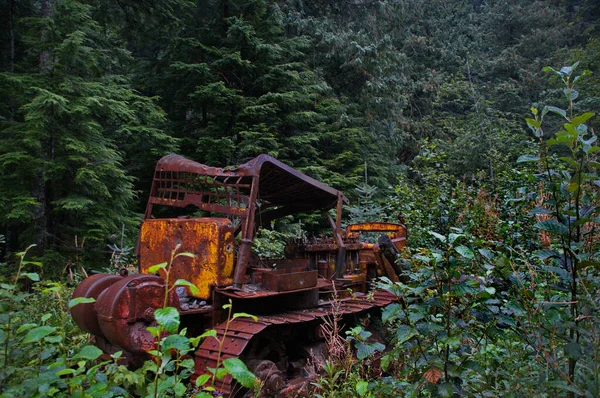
(126, 309)
(84, 314)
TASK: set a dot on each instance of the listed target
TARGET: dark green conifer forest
(474, 120)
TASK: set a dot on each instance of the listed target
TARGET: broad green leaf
(80, 300)
(580, 119)
(439, 237)
(187, 364)
(362, 388)
(445, 390)
(570, 94)
(244, 315)
(65, 372)
(452, 341)
(528, 158)
(453, 237)
(386, 360)
(415, 316)
(220, 373)
(364, 350)
(464, 251)
(461, 289)
(179, 389)
(552, 226)
(191, 286)
(391, 312)
(154, 269)
(154, 330)
(31, 275)
(38, 333)
(558, 111)
(567, 70)
(168, 318)
(573, 187)
(545, 254)
(570, 161)
(540, 210)
(573, 350)
(559, 139)
(594, 149)
(176, 342)
(194, 341)
(569, 132)
(426, 259)
(238, 370)
(89, 352)
(584, 73)
(404, 333)
(587, 144)
(561, 272)
(474, 365)
(185, 254)
(25, 327)
(490, 289)
(52, 339)
(202, 380)
(532, 123)
(486, 253)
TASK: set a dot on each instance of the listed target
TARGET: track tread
(240, 332)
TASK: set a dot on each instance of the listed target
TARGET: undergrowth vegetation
(44, 353)
(501, 290)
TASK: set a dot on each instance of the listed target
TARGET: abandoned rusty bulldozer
(291, 297)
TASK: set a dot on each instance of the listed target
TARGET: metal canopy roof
(280, 185)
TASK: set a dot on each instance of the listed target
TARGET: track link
(236, 336)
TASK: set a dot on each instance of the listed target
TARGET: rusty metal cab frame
(236, 192)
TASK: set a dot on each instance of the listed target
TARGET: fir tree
(76, 129)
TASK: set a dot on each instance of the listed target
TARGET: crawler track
(240, 332)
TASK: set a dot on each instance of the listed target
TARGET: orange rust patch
(209, 239)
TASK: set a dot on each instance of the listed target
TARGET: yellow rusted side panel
(394, 230)
(209, 239)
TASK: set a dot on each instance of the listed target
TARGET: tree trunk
(40, 187)
(11, 35)
(45, 55)
(225, 14)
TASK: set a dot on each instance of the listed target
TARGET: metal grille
(222, 193)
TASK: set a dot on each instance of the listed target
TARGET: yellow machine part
(209, 239)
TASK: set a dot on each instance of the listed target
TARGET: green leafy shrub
(42, 354)
(560, 319)
(446, 315)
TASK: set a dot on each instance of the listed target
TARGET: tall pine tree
(72, 127)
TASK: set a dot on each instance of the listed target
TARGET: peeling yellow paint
(209, 239)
